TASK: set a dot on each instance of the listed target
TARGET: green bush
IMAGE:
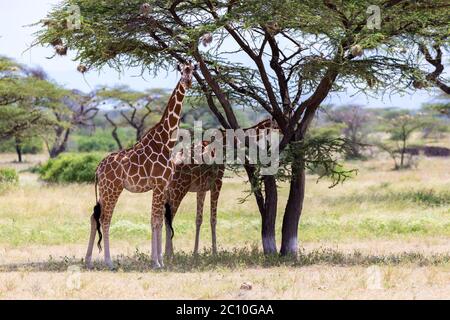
(32, 146)
(8, 178)
(8, 175)
(101, 140)
(96, 143)
(29, 146)
(71, 167)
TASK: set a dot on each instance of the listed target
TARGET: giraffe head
(187, 71)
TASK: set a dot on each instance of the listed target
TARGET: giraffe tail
(169, 218)
(97, 213)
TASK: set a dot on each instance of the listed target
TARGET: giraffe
(201, 178)
(144, 167)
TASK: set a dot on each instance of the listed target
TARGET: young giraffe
(201, 178)
(146, 166)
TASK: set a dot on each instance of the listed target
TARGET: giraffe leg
(175, 200)
(157, 222)
(215, 192)
(108, 261)
(108, 206)
(199, 218)
(88, 259)
(169, 244)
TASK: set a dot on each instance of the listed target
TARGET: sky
(16, 38)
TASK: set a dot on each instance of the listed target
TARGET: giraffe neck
(165, 130)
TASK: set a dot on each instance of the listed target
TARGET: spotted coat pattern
(201, 178)
(146, 166)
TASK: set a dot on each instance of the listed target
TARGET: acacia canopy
(283, 57)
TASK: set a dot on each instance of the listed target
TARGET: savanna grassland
(383, 234)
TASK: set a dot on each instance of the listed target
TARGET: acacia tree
(433, 54)
(73, 110)
(400, 125)
(26, 103)
(297, 53)
(68, 109)
(135, 109)
(355, 119)
(441, 106)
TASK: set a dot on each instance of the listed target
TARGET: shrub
(71, 167)
(29, 146)
(96, 143)
(33, 146)
(8, 178)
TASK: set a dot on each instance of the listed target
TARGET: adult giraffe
(201, 178)
(146, 166)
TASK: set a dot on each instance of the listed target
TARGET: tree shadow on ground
(235, 259)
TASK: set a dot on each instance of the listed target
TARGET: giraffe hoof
(156, 265)
(110, 266)
(88, 263)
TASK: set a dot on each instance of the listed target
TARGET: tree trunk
(139, 133)
(289, 240)
(19, 150)
(269, 216)
(402, 156)
(114, 132)
(60, 145)
(116, 138)
(267, 205)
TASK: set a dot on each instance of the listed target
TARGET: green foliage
(32, 145)
(133, 109)
(27, 101)
(101, 140)
(319, 155)
(23, 121)
(8, 176)
(97, 142)
(90, 144)
(125, 37)
(355, 122)
(122, 94)
(337, 173)
(401, 124)
(426, 198)
(442, 108)
(327, 131)
(71, 167)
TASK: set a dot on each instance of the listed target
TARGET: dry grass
(397, 221)
(311, 282)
